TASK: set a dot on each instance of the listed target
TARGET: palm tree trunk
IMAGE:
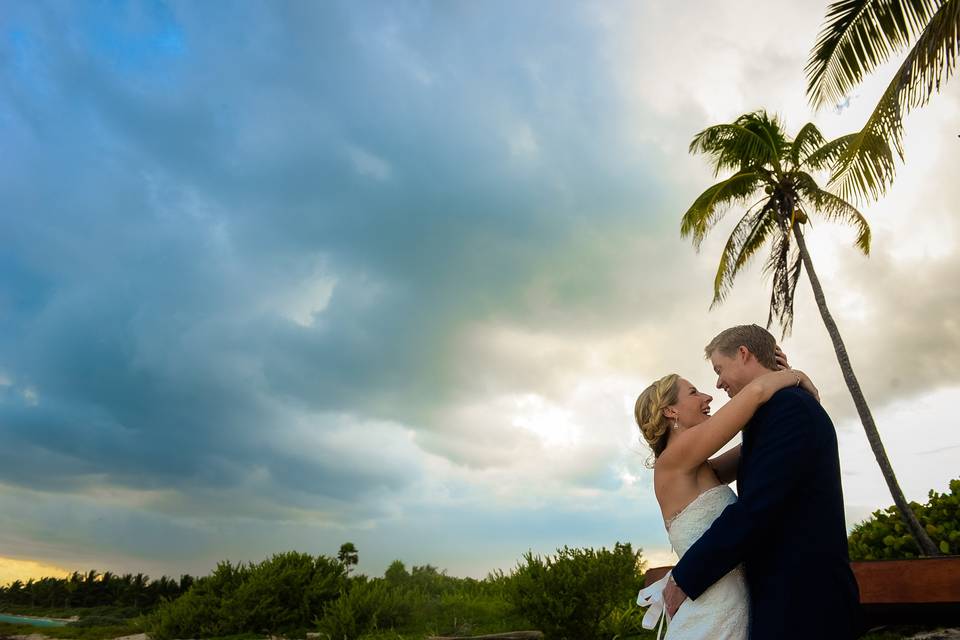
(926, 545)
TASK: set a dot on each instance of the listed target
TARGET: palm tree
(348, 555)
(858, 36)
(776, 175)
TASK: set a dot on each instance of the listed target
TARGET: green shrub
(571, 596)
(98, 621)
(284, 593)
(74, 632)
(625, 621)
(463, 611)
(396, 574)
(195, 614)
(369, 606)
(885, 537)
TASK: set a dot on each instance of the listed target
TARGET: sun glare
(12, 569)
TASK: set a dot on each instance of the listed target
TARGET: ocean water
(37, 622)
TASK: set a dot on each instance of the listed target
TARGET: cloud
(13, 569)
(381, 270)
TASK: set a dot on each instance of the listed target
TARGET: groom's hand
(781, 358)
(673, 597)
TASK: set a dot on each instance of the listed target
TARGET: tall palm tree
(858, 36)
(773, 178)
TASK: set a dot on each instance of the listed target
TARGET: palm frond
(866, 167)
(752, 140)
(808, 141)
(785, 265)
(827, 155)
(835, 208)
(932, 59)
(713, 203)
(861, 165)
(747, 238)
(859, 35)
(732, 147)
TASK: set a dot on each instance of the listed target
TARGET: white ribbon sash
(652, 597)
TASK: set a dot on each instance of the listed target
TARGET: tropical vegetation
(106, 594)
(581, 593)
(857, 37)
(773, 177)
(883, 536)
(577, 593)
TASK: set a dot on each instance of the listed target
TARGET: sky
(281, 276)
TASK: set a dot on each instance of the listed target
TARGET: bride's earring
(676, 424)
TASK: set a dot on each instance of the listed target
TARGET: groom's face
(732, 374)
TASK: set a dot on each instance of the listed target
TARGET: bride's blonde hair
(648, 412)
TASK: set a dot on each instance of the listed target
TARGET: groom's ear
(743, 354)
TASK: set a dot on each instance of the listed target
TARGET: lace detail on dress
(670, 520)
(686, 527)
(721, 612)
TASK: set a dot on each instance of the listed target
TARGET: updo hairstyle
(648, 412)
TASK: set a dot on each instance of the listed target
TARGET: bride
(674, 418)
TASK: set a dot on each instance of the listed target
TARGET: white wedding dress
(721, 612)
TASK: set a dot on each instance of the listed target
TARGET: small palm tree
(348, 555)
(773, 179)
(858, 36)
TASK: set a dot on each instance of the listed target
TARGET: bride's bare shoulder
(669, 459)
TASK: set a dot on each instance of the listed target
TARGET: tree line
(94, 589)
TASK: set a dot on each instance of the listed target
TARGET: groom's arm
(725, 465)
(780, 454)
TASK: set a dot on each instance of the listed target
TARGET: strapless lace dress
(721, 612)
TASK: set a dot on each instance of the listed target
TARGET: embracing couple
(770, 563)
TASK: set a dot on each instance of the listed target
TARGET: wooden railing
(898, 591)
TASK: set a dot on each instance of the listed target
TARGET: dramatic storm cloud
(284, 275)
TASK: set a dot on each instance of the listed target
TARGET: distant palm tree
(348, 555)
(139, 588)
(775, 174)
(858, 36)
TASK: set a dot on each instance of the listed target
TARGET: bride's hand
(806, 383)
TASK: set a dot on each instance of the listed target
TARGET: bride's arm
(726, 464)
(694, 446)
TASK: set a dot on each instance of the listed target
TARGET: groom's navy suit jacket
(787, 527)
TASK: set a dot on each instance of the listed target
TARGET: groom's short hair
(757, 340)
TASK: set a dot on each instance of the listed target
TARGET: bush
(625, 621)
(423, 601)
(284, 593)
(368, 606)
(885, 537)
(99, 621)
(466, 613)
(196, 614)
(74, 631)
(572, 596)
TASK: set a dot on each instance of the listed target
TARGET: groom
(787, 527)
